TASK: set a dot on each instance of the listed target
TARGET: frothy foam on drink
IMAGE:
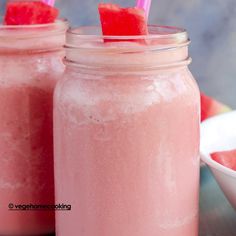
(116, 97)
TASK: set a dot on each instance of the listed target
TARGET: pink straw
(49, 2)
(145, 5)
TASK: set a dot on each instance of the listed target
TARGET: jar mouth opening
(33, 38)
(57, 22)
(163, 46)
(155, 31)
(159, 35)
(19, 31)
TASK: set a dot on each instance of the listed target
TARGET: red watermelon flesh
(226, 158)
(29, 13)
(211, 107)
(117, 21)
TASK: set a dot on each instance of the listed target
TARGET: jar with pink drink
(126, 129)
(30, 65)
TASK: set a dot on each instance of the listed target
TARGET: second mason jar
(126, 127)
(30, 65)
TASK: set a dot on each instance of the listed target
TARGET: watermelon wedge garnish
(118, 21)
(29, 13)
(226, 158)
(210, 107)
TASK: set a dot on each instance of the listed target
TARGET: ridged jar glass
(126, 128)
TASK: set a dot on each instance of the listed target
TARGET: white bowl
(219, 134)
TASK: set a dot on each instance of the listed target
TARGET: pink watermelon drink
(126, 128)
(30, 64)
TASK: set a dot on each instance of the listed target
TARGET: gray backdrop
(212, 28)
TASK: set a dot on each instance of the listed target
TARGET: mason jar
(126, 129)
(30, 65)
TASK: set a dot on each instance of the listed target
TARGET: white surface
(219, 134)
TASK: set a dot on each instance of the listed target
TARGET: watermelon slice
(117, 21)
(29, 13)
(211, 107)
(226, 158)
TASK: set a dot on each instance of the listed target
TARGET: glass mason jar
(126, 129)
(30, 65)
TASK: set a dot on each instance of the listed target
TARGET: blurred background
(212, 28)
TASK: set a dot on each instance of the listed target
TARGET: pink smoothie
(27, 80)
(26, 158)
(127, 150)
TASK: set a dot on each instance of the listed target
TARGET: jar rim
(86, 47)
(57, 22)
(19, 31)
(169, 35)
(29, 38)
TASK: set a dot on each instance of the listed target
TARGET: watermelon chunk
(226, 158)
(211, 107)
(117, 21)
(29, 13)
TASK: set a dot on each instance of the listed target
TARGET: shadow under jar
(30, 65)
(126, 128)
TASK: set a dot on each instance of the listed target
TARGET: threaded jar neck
(165, 46)
(31, 38)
